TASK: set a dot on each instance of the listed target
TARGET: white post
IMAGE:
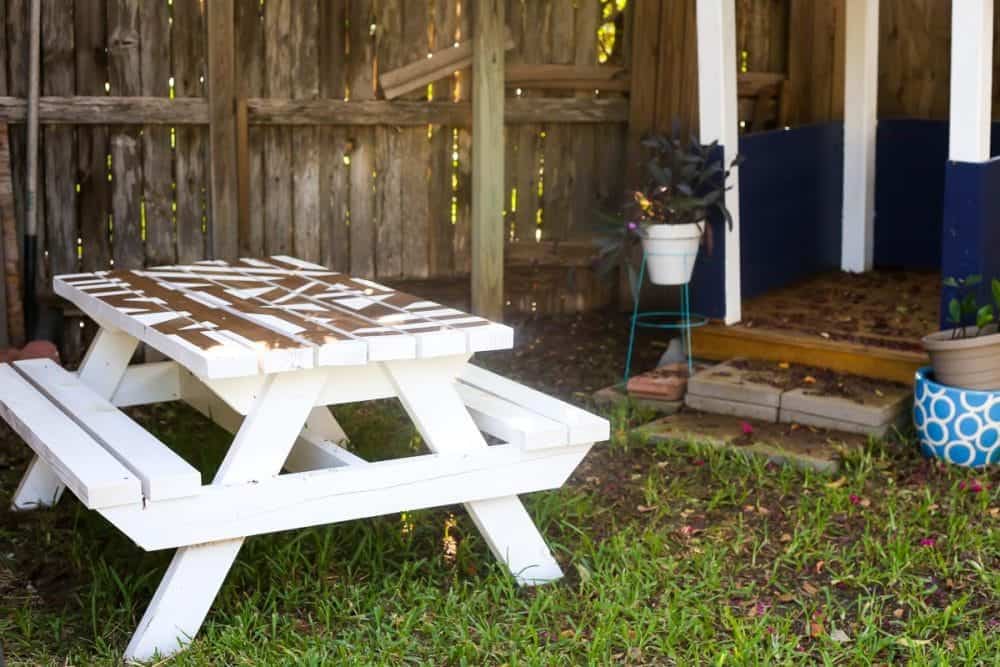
(719, 120)
(857, 248)
(971, 80)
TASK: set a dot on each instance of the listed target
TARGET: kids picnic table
(262, 347)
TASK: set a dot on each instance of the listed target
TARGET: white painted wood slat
(82, 464)
(163, 473)
(583, 426)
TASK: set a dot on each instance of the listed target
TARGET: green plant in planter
(683, 184)
(965, 307)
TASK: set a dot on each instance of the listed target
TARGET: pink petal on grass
(928, 542)
(747, 428)
(855, 499)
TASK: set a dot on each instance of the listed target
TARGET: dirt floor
(572, 356)
(816, 381)
(890, 309)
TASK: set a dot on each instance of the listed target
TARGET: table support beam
(428, 395)
(196, 573)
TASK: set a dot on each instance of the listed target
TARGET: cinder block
(727, 383)
(875, 411)
(735, 408)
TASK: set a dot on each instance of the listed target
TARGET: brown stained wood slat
(189, 47)
(60, 230)
(362, 140)
(185, 112)
(90, 40)
(560, 160)
(17, 36)
(278, 217)
(334, 186)
(250, 68)
(645, 60)
(223, 223)
(389, 144)
(583, 139)
(157, 158)
(441, 250)
(304, 34)
(13, 311)
(126, 158)
(415, 144)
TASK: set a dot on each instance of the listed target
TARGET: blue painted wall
(971, 233)
(790, 195)
(790, 205)
(909, 192)
(910, 161)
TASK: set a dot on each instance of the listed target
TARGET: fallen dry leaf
(815, 629)
(786, 597)
(809, 589)
(646, 508)
(809, 379)
(819, 566)
(837, 483)
(839, 636)
(786, 537)
(898, 613)
(567, 634)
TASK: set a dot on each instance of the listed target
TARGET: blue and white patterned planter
(961, 426)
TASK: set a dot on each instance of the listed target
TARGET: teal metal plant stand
(682, 320)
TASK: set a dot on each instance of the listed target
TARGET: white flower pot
(671, 251)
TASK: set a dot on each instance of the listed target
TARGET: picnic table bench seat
(98, 452)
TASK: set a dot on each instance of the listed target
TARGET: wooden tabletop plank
(274, 314)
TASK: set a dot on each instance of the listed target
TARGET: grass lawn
(674, 555)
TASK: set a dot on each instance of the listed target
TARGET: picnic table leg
(102, 370)
(196, 573)
(427, 392)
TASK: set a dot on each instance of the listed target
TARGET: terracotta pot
(972, 362)
(671, 251)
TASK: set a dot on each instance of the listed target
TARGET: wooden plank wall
(383, 201)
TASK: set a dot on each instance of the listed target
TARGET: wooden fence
(335, 173)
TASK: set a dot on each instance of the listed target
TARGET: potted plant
(967, 354)
(956, 406)
(684, 183)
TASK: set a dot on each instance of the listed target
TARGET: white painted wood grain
(583, 426)
(163, 473)
(510, 422)
(971, 81)
(353, 492)
(196, 573)
(143, 384)
(80, 463)
(860, 122)
(427, 392)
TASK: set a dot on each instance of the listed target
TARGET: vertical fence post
(487, 158)
(224, 224)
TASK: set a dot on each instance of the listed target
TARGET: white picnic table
(262, 347)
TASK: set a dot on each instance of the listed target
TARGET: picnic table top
(275, 314)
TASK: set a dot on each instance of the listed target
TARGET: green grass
(675, 554)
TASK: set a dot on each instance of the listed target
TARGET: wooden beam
(568, 77)
(718, 121)
(645, 58)
(435, 66)
(265, 111)
(223, 228)
(971, 80)
(487, 160)
(860, 108)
